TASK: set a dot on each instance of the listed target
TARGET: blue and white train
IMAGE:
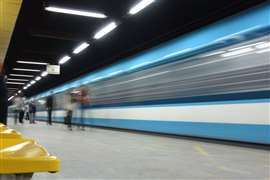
(211, 83)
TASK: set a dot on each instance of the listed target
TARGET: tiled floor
(111, 154)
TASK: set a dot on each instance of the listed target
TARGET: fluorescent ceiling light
(28, 85)
(140, 6)
(21, 75)
(263, 51)
(238, 52)
(30, 70)
(31, 62)
(64, 59)
(45, 73)
(80, 48)
(38, 78)
(264, 45)
(105, 30)
(19, 83)
(33, 82)
(10, 98)
(23, 80)
(75, 12)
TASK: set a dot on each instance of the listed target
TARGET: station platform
(112, 154)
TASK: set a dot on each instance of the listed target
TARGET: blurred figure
(84, 101)
(26, 111)
(71, 105)
(3, 99)
(19, 103)
(32, 112)
(49, 106)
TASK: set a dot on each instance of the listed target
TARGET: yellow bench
(2, 127)
(9, 133)
(23, 156)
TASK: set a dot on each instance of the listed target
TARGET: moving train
(211, 83)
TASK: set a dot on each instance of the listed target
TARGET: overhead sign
(53, 69)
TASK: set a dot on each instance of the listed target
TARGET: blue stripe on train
(236, 132)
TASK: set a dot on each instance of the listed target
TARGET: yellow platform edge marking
(201, 150)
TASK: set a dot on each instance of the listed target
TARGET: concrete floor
(110, 154)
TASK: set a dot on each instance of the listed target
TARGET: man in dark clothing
(49, 105)
(32, 112)
(3, 100)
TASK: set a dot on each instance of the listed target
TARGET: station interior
(134, 89)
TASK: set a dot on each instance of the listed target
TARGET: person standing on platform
(26, 111)
(71, 104)
(84, 101)
(32, 111)
(49, 105)
(3, 99)
(19, 103)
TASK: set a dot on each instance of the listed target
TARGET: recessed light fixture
(25, 87)
(19, 83)
(80, 48)
(19, 91)
(23, 80)
(21, 75)
(38, 78)
(64, 59)
(31, 62)
(10, 98)
(44, 73)
(33, 82)
(140, 6)
(75, 12)
(30, 70)
(105, 30)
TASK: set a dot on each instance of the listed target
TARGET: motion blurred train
(211, 83)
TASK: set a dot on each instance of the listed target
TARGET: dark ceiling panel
(44, 36)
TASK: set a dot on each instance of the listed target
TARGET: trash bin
(20, 158)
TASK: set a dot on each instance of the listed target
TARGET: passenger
(26, 111)
(3, 99)
(32, 111)
(19, 103)
(49, 105)
(71, 104)
(84, 101)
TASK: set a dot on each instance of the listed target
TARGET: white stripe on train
(250, 113)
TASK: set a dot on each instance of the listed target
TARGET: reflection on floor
(111, 154)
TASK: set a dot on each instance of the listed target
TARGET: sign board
(53, 69)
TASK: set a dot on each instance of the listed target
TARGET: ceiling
(9, 10)
(45, 36)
